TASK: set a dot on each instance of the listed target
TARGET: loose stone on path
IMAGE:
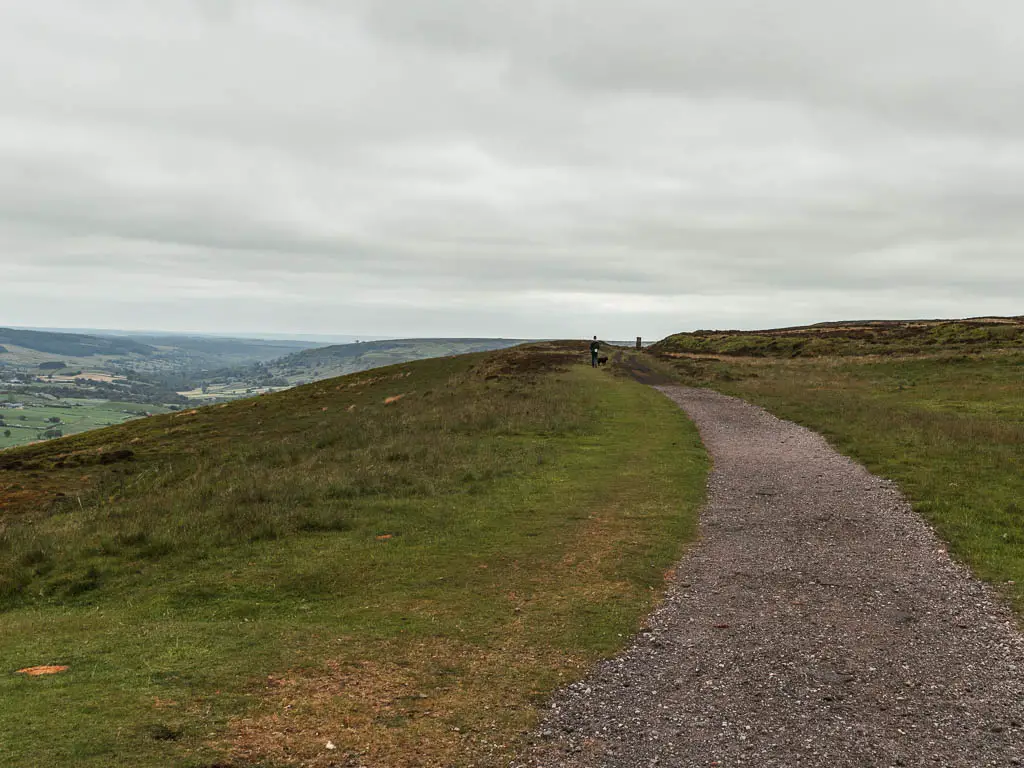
(818, 622)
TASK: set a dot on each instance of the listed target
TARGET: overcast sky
(519, 168)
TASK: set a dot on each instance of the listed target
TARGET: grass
(27, 425)
(341, 359)
(873, 337)
(243, 584)
(949, 428)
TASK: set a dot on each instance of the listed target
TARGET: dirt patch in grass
(437, 703)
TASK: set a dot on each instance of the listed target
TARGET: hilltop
(311, 365)
(341, 359)
(402, 562)
(934, 405)
(854, 338)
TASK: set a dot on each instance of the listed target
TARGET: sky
(516, 168)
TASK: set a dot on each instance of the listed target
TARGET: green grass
(76, 415)
(949, 429)
(407, 581)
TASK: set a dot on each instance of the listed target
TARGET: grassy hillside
(327, 362)
(946, 424)
(341, 359)
(34, 348)
(72, 345)
(390, 569)
(217, 352)
(873, 337)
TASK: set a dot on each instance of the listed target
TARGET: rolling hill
(163, 353)
(340, 359)
(934, 405)
(219, 351)
(71, 345)
(867, 337)
(394, 568)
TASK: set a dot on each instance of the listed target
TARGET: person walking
(595, 347)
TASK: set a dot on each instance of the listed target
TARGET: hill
(340, 359)
(321, 363)
(71, 344)
(391, 568)
(869, 337)
(163, 353)
(933, 405)
(211, 352)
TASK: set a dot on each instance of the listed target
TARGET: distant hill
(853, 338)
(341, 359)
(72, 344)
(312, 339)
(217, 351)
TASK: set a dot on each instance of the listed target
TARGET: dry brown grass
(434, 704)
(437, 703)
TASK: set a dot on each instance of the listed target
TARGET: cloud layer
(497, 168)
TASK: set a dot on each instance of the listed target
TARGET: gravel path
(818, 622)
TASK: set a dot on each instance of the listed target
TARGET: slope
(869, 337)
(340, 359)
(392, 568)
(945, 419)
(71, 345)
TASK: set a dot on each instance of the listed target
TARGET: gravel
(818, 622)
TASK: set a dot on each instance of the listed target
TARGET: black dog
(602, 360)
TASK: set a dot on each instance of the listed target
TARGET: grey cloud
(953, 59)
(498, 166)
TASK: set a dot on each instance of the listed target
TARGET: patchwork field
(68, 416)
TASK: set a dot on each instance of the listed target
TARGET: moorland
(400, 565)
(396, 567)
(936, 405)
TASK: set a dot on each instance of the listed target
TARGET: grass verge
(255, 583)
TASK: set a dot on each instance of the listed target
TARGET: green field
(948, 427)
(407, 580)
(28, 424)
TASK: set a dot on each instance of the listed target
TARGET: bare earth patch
(47, 669)
(819, 622)
(431, 706)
